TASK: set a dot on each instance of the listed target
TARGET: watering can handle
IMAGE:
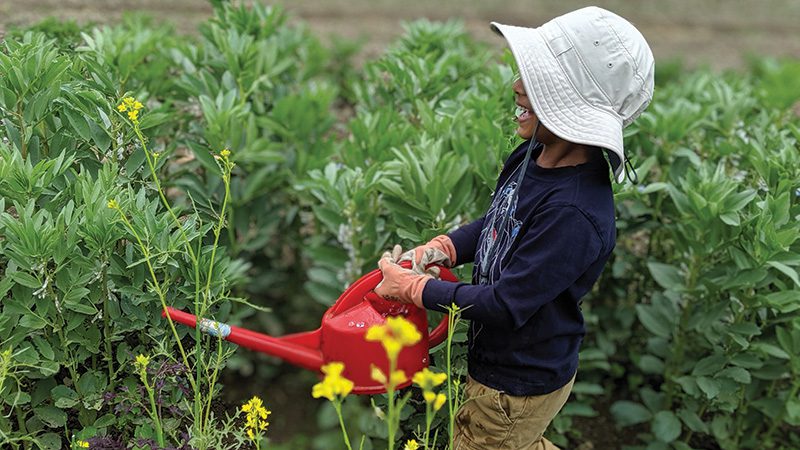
(438, 334)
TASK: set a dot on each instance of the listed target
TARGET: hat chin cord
(493, 248)
(629, 169)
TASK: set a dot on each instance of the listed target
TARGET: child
(549, 231)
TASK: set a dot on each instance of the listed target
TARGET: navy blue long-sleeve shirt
(526, 324)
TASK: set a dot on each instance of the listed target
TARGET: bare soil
(717, 33)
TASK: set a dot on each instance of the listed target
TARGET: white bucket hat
(588, 75)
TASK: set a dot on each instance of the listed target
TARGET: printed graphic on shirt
(500, 229)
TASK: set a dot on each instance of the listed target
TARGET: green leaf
(649, 318)
(738, 374)
(26, 279)
(693, 421)
(721, 426)
(49, 441)
(771, 350)
(709, 365)
(666, 427)
(628, 413)
(582, 387)
(746, 328)
(52, 416)
(747, 360)
(79, 124)
(654, 187)
(64, 396)
(788, 271)
(44, 347)
(709, 386)
(730, 218)
(579, 409)
(32, 322)
(667, 276)
(105, 421)
(651, 364)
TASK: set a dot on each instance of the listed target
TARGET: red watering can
(341, 336)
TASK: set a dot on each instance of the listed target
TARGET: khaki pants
(493, 420)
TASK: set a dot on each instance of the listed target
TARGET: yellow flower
(427, 380)
(440, 399)
(429, 396)
(394, 335)
(112, 204)
(334, 385)
(133, 115)
(377, 374)
(82, 444)
(411, 445)
(256, 420)
(225, 153)
(132, 107)
(142, 362)
(398, 377)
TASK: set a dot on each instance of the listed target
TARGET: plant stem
(153, 409)
(337, 405)
(198, 401)
(677, 355)
(107, 334)
(391, 414)
(22, 142)
(161, 296)
(428, 420)
(451, 323)
(213, 380)
(775, 422)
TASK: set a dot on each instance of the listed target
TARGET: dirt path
(719, 33)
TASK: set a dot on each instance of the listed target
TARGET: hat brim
(556, 102)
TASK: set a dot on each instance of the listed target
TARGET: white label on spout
(214, 328)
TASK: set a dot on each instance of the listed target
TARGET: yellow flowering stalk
(395, 334)
(453, 318)
(256, 421)
(202, 403)
(140, 363)
(335, 388)
(427, 381)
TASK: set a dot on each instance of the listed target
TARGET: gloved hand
(400, 284)
(439, 250)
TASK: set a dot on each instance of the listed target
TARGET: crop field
(242, 165)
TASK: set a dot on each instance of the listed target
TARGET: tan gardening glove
(400, 284)
(439, 250)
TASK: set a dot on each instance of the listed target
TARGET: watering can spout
(301, 349)
(341, 337)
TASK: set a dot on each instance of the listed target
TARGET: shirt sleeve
(557, 248)
(465, 240)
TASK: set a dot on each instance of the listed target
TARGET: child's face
(527, 120)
